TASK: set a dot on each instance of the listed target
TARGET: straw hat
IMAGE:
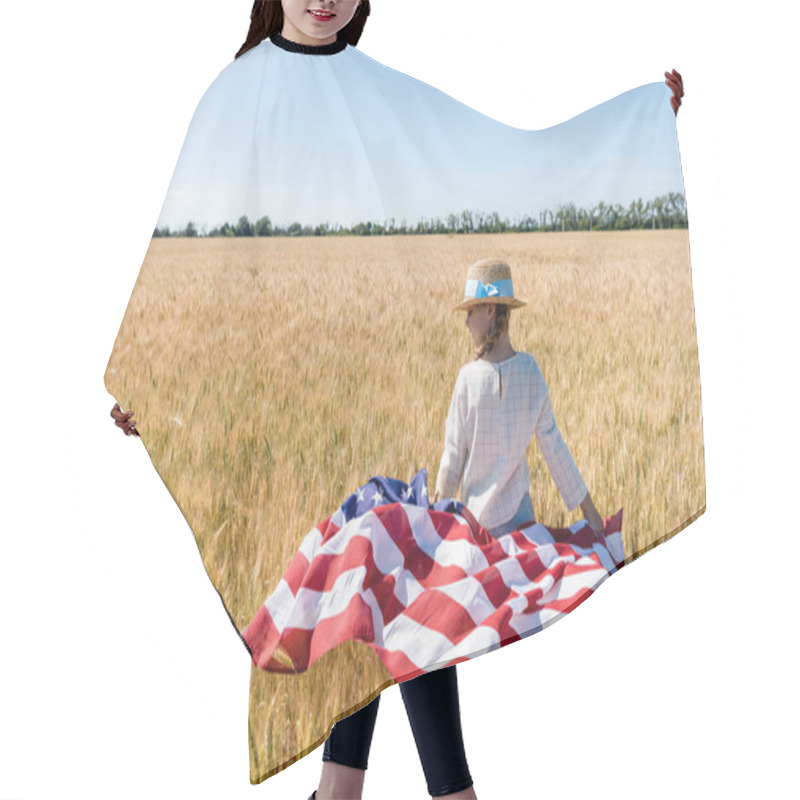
(489, 280)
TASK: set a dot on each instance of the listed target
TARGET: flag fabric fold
(424, 585)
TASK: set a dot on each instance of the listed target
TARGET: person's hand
(122, 419)
(597, 527)
(675, 82)
(595, 522)
(592, 516)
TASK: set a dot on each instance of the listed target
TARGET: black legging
(431, 701)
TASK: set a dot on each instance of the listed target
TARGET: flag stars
(407, 493)
(377, 498)
(360, 496)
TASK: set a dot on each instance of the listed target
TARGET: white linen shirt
(495, 410)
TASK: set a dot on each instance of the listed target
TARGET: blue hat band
(477, 289)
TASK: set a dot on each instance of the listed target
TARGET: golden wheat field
(271, 377)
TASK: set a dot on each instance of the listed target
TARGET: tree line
(667, 211)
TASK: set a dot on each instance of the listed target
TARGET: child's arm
(559, 460)
(562, 466)
(454, 455)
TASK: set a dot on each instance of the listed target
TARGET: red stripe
(296, 572)
(567, 604)
(398, 663)
(497, 590)
(326, 568)
(428, 572)
(263, 638)
(328, 528)
(500, 622)
(438, 612)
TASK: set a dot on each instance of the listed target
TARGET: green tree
(263, 227)
(243, 227)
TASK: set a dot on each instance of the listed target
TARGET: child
(500, 401)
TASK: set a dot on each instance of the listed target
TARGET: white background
(120, 674)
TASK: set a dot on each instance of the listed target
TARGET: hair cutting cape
(290, 350)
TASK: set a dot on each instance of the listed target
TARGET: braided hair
(502, 315)
(266, 18)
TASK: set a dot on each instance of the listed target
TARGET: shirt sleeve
(559, 460)
(454, 456)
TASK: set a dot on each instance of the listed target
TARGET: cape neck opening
(309, 49)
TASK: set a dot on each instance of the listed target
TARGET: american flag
(425, 586)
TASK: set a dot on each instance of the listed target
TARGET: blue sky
(342, 139)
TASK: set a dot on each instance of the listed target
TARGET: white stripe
(526, 624)
(280, 604)
(421, 645)
(471, 596)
